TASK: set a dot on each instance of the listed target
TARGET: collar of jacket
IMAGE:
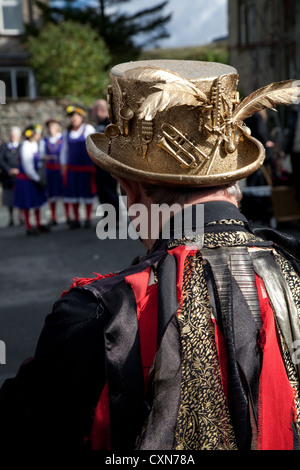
(220, 210)
(214, 211)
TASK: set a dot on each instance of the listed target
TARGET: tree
(69, 60)
(119, 30)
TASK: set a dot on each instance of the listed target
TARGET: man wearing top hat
(195, 345)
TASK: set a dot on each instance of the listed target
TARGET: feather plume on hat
(176, 90)
(268, 97)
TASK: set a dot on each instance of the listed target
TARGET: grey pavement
(35, 270)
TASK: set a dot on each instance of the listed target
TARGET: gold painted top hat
(180, 123)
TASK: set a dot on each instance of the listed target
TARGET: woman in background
(50, 151)
(29, 191)
(77, 168)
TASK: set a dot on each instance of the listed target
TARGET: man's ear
(131, 188)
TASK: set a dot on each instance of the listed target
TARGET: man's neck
(203, 199)
(200, 200)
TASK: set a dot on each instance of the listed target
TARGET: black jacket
(91, 337)
(9, 158)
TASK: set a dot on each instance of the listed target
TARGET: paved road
(34, 270)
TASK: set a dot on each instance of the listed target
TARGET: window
(247, 22)
(19, 82)
(11, 17)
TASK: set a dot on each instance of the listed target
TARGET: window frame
(10, 32)
(13, 81)
(247, 22)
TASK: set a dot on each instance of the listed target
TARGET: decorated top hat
(180, 123)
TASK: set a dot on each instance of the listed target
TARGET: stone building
(264, 46)
(14, 71)
(23, 112)
(21, 105)
(264, 41)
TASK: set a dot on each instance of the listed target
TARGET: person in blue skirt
(50, 151)
(29, 188)
(77, 168)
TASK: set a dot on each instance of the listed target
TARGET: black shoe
(87, 224)
(32, 231)
(44, 228)
(74, 224)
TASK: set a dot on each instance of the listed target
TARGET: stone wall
(25, 112)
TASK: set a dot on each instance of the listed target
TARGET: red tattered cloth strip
(83, 281)
(100, 433)
(146, 297)
(147, 303)
(276, 406)
(180, 252)
(100, 430)
(276, 396)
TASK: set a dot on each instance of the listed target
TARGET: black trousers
(295, 161)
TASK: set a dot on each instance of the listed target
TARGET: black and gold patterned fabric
(205, 420)
(218, 291)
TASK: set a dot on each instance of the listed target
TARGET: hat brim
(98, 148)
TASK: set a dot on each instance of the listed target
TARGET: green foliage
(214, 52)
(119, 30)
(69, 60)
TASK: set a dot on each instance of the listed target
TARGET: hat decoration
(38, 129)
(194, 116)
(31, 130)
(75, 109)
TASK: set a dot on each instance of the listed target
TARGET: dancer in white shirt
(50, 150)
(29, 191)
(77, 168)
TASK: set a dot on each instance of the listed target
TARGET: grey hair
(179, 195)
(102, 104)
(16, 129)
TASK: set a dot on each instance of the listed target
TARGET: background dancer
(77, 168)
(30, 190)
(9, 161)
(50, 151)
